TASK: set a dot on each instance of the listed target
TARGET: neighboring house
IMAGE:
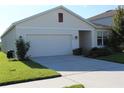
(104, 19)
(54, 32)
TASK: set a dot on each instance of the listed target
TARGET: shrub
(94, 49)
(77, 51)
(97, 52)
(113, 42)
(0, 46)
(22, 48)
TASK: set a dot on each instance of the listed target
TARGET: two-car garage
(50, 44)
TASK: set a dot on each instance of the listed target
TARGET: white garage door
(50, 45)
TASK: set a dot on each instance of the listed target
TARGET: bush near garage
(77, 51)
(97, 52)
(22, 48)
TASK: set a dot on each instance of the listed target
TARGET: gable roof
(59, 7)
(109, 13)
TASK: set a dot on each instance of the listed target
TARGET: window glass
(105, 34)
(99, 41)
(102, 38)
(99, 34)
(60, 17)
(105, 41)
(99, 38)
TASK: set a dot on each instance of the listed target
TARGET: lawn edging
(28, 80)
(109, 60)
(115, 58)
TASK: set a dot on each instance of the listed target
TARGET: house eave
(104, 28)
(8, 29)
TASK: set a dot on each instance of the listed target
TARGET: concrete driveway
(76, 69)
(90, 72)
(78, 63)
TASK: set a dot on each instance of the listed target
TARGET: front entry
(85, 41)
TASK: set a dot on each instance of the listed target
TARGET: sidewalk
(92, 79)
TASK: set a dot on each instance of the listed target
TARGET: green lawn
(75, 86)
(18, 71)
(118, 58)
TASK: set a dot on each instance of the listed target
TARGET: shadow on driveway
(32, 64)
(77, 63)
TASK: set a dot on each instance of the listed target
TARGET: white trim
(58, 28)
(49, 34)
(93, 37)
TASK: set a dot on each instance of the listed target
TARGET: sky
(12, 13)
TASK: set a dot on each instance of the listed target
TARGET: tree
(117, 35)
(22, 48)
(118, 19)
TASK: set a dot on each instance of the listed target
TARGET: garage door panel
(49, 45)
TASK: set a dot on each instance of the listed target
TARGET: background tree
(0, 46)
(22, 48)
(118, 25)
(117, 35)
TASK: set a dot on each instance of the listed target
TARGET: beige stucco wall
(50, 19)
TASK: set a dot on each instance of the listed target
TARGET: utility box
(10, 54)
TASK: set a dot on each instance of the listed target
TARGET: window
(105, 36)
(99, 38)
(60, 17)
(102, 38)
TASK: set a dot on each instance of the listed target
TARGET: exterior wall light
(76, 37)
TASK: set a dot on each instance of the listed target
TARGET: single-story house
(55, 32)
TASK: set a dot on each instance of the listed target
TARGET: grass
(12, 71)
(75, 86)
(118, 58)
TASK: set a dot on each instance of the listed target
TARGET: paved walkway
(74, 69)
(89, 79)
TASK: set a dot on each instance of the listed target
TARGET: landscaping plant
(77, 51)
(22, 48)
(98, 52)
(117, 36)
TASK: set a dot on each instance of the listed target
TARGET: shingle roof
(108, 13)
(102, 26)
